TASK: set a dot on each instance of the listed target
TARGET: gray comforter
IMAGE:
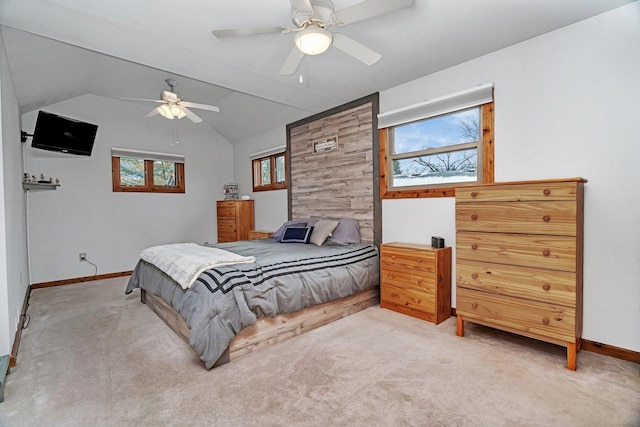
(285, 278)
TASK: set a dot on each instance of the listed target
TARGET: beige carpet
(93, 356)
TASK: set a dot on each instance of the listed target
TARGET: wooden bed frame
(269, 330)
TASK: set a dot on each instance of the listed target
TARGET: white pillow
(321, 230)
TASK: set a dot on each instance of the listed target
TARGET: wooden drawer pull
(546, 218)
(546, 252)
(474, 217)
(474, 246)
(474, 194)
(545, 320)
(474, 305)
(546, 286)
(474, 276)
(546, 192)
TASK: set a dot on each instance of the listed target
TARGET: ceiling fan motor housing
(322, 10)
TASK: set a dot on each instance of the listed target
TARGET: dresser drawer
(225, 225)
(535, 319)
(229, 204)
(519, 192)
(227, 237)
(555, 287)
(415, 279)
(226, 213)
(552, 252)
(407, 259)
(407, 298)
(555, 218)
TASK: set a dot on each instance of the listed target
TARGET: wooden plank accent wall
(340, 183)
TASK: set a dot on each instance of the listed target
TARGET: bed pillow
(321, 230)
(292, 223)
(296, 234)
(348, 231)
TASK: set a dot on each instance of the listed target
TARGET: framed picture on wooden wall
(325, 145)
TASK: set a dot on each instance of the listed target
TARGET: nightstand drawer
(555, 287)
(407, 259)
(415, 279)
(554, 322)
(554, 252)
(259, 234)
(555, 218)
(407, 298)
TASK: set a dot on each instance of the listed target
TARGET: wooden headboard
(333, 166)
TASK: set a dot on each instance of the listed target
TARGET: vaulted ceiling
(59, 49)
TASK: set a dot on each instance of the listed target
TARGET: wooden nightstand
(416, 280)
(259, 234)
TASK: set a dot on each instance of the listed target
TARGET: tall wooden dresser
(235, 219)
(519, 259)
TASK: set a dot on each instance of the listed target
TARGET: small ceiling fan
(173, 107)
(311, 18)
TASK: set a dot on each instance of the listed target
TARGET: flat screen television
(58, 133)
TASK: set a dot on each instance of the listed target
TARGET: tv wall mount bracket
(24, 136)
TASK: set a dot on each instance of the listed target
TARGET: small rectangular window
(269, 173)
(137, 174)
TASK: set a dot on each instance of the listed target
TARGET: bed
(288, 289)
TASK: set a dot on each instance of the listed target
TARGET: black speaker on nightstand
(437, 242)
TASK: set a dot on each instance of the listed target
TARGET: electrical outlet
(82, 256)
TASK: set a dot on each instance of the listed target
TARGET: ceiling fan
(173, 107)
(311, 18)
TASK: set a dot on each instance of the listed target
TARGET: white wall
(566, 105)
(270, 206)
(85, 215)
(14, 271)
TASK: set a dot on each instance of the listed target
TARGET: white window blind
(473, 97)
(268, 152)
(147, 155)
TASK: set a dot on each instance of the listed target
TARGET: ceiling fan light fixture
(171, 111)
(177, 112)
(165, 111)
(313, 40)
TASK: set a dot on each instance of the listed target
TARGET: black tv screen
(58, 133)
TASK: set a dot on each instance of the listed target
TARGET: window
(137, 171)
(269, 172)
(430, 153)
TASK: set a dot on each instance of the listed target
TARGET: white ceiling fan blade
(140, 99)
(190, 114)
(292, 62)
(368, 9)
(355, 49)
(302, 6)
(200, 106)
(152, 113)
(232, 32)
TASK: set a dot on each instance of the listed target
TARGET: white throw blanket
(184, 262)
